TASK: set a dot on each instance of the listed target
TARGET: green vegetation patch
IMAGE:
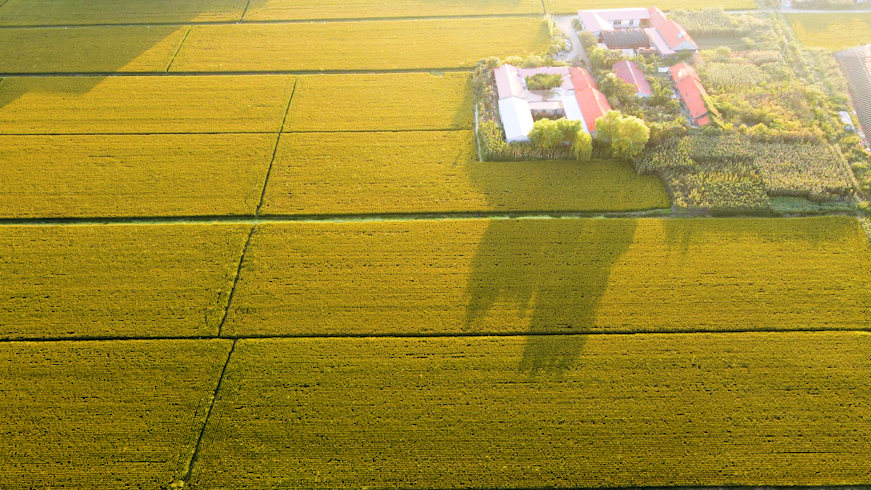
(572, 6)
(484, 276)
(78, 12)
(133, 175)
(120, 105)
(370, 45)
(116, 281)
(832, 31)
(104, 414)
(386, 101)
(542, 411)
(89, 49)
(437, 171)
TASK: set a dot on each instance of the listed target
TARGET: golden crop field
(572, 6)
(383, 101)
(740, 409)
(104, 414)
(372, 45)
(833, 31)
(118, 105)
(89, 49)
(362, 9)
(437, 171)
(133, 175)
(116, 281)
(498, 276)
(95, 12)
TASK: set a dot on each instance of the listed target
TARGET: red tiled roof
(592, 102)
(582, 80)
(674, 34)
(692, 92)
(683, 70)
(656, 17)
(593, 105)
(628, 72)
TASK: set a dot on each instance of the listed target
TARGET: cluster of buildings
(637, 30)
(577, 97)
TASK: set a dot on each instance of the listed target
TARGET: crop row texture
(833, 31)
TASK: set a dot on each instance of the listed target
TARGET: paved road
(564, 22)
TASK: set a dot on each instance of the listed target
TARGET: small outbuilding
(629, 72)
(690, 90)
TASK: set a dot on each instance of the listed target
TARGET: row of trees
(619, 135)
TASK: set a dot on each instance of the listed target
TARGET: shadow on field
(551, 272)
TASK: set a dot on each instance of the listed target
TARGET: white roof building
(516, 119)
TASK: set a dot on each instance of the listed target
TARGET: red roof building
(593, 103)
(628, 72)
(691, 91)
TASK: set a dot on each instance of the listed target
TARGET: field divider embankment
(180, 45)
(274, 22)
(196, 452)
(384, 217)
(449, 69)
(275, 151)
(235, 281)
(432, 335)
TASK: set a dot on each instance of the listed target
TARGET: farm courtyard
(252, 244)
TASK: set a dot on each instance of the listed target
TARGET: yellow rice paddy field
(832, 31)
(438, 171)
(382, 101)
(104, 414)
(133, 175)
(497, 276)
(89, 49)
(372, 45)
(96, 12)
(361, 9)
(116, 281)
(548, 411)
(572, 6)
(123, 105)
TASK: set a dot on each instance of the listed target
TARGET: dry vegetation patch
(104, 414)
(371, 45)
(556, 411)
(119, 105)
(554, 275)
(116, 281)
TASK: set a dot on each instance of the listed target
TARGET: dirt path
(564, 22)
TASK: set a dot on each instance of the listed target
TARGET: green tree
(582, 147)
(626, 135)
(547, 133)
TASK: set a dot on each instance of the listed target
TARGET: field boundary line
(225, 73)
(275, 150)
(245, 12)
(196, 454)
(180, 45)
(4, 3)
(433, 335)
(235, 281)
(327, 20)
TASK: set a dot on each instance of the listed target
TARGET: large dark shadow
(64, 46)
(553, 272)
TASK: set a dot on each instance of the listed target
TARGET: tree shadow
(550, 272)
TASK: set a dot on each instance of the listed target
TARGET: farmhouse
(576, 98)
(628, 72)
(691, 92)
(637, 29)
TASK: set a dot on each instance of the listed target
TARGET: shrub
(543, 81)
(582, 147)
(627, 135)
